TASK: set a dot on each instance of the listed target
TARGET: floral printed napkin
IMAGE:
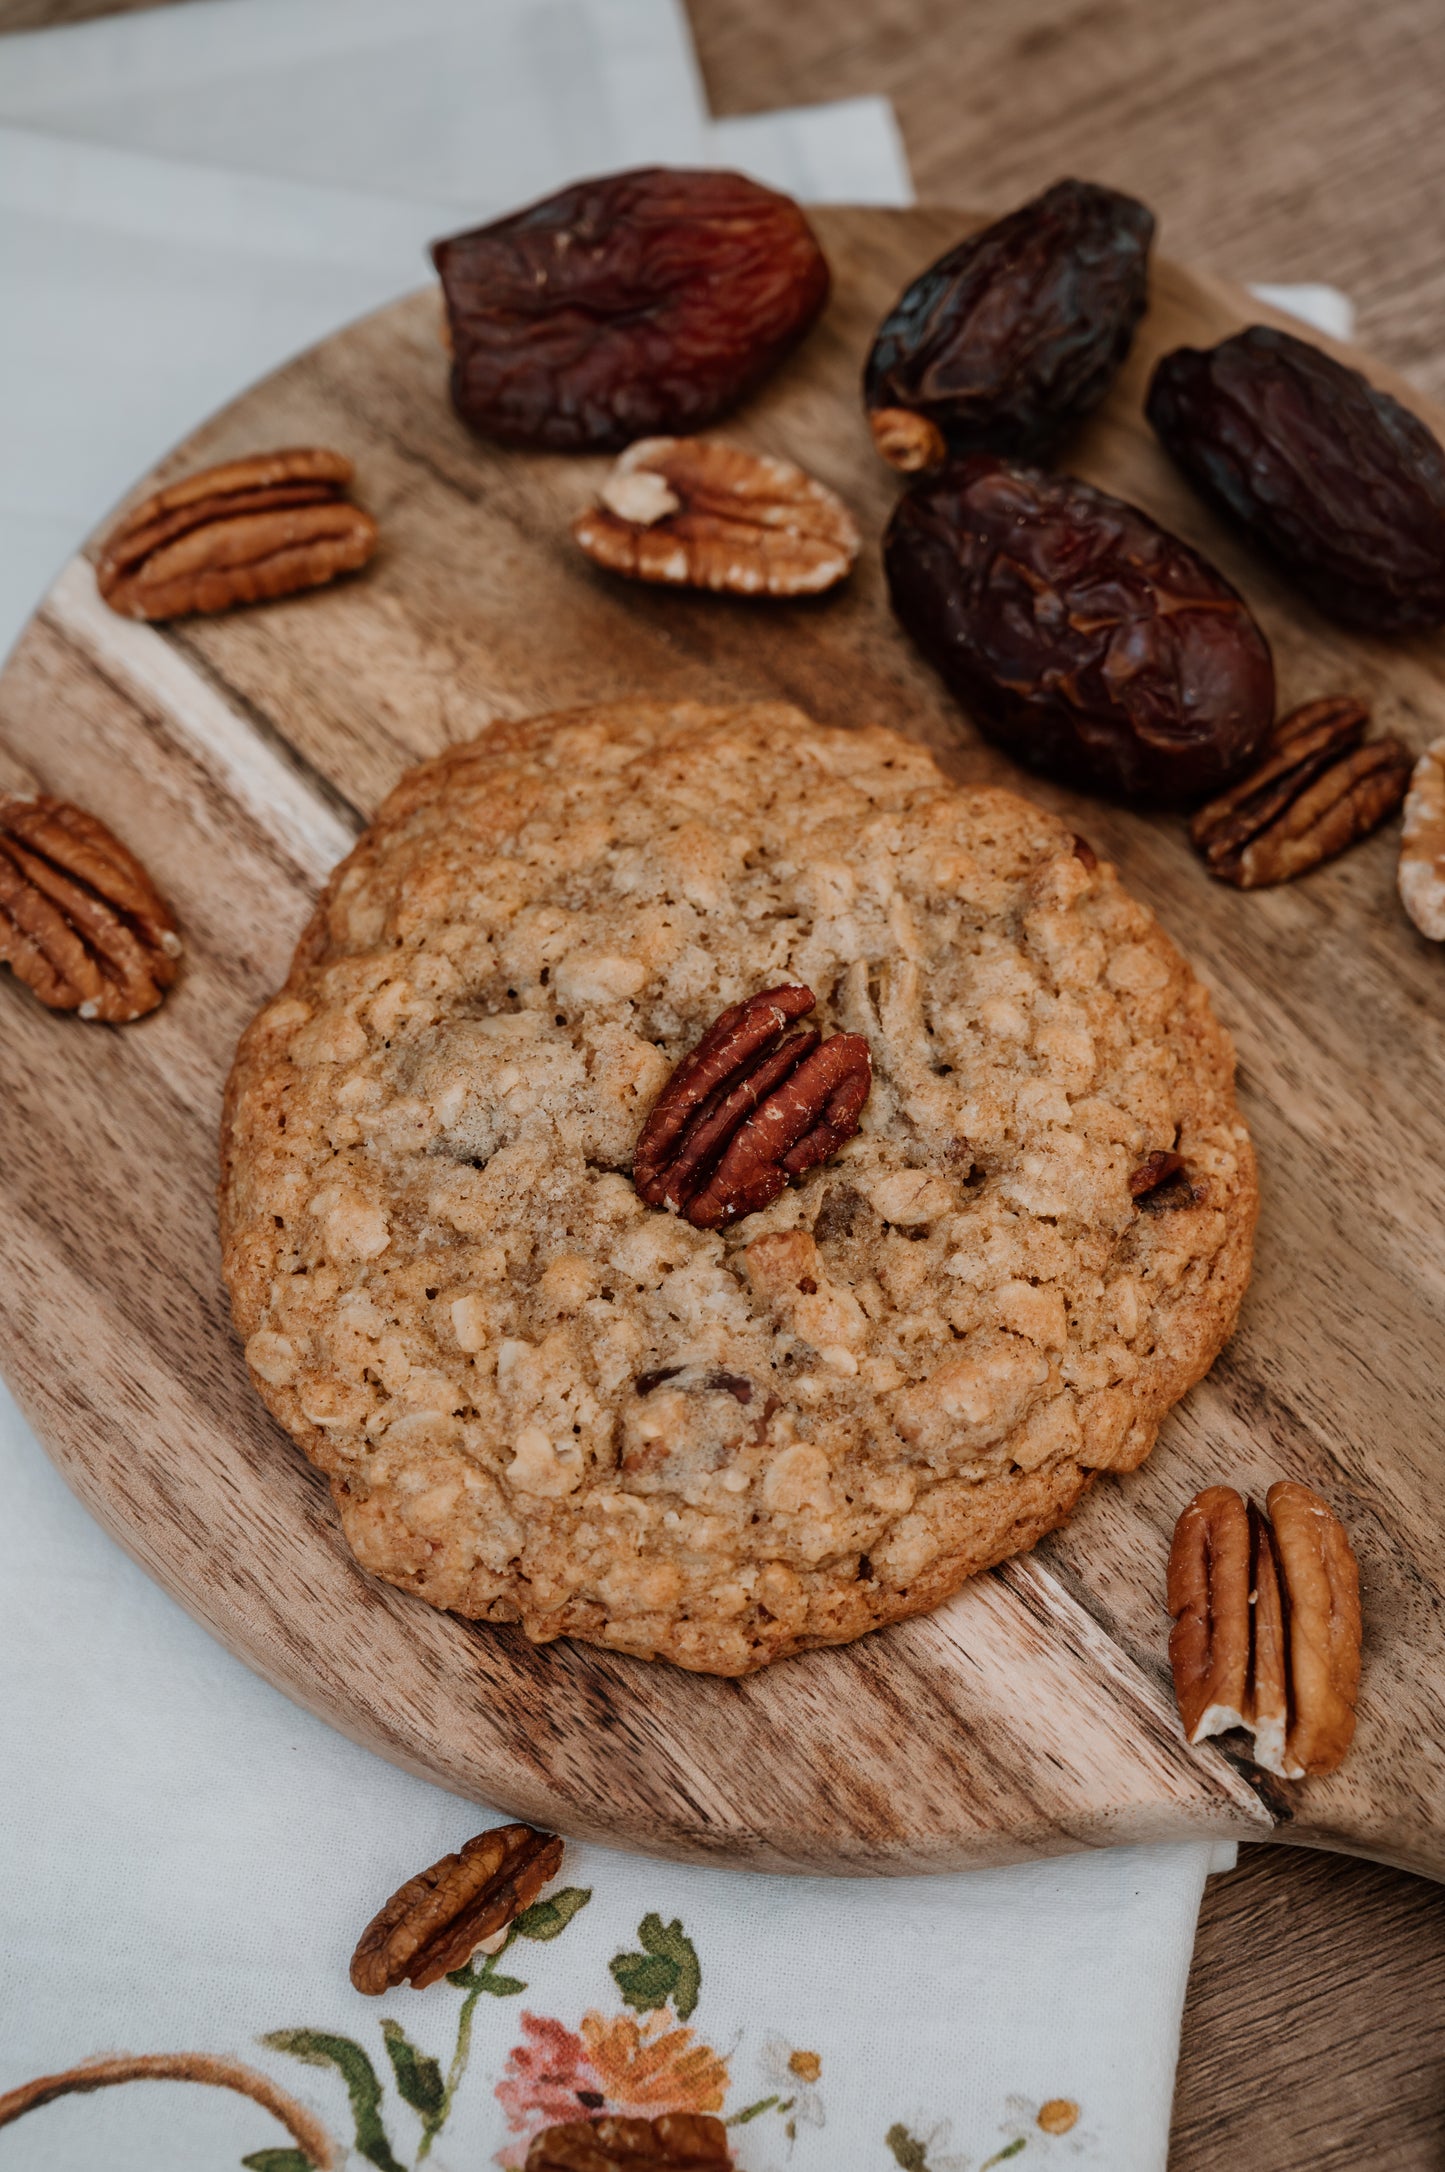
(188, 1861)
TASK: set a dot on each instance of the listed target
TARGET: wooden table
(1286, 143)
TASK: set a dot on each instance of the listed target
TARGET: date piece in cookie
(540, 1399)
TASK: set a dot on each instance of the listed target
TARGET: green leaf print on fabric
(418, 2079)
(667, 1968)
(547, 1918)
(278, 2160)
(907, 2149)
(317, 2048)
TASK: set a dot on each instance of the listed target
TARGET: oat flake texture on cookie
(540, 1401)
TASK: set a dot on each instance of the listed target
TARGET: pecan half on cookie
(245, 532)
(81, 922)
(695, 513)
(752, 1108)
(436, 1921)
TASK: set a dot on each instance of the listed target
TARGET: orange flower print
(554, 2074)
(548, 2079)
(654, 2067)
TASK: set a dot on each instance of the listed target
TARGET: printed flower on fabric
(655, 2067)
(1050, 2131)
(928, 2151)
(793, 2073)
(549, 2078)
(613, 2065)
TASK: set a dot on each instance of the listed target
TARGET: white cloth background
(187, 197)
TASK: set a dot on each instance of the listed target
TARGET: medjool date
(1009, 339)
(1336, 480)
(639, 305)
(1088, 641)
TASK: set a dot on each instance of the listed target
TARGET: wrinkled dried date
(1343, 486)
(749, 1110)
(1091, 643)
(1013, 336)
(640, 304)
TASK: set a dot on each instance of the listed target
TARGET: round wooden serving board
(241, 755)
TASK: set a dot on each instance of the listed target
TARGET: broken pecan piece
(1422, 844)
(1322, 1588)
(908, 442)
(697, 513)
(1318, 791)
(1155, 1169)
(1208, 1596)
(81, 922)
(244, 532)
(436, 1921)
(752, 1107)
(677, 2142)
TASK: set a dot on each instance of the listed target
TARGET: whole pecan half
(1267, 1711)
(1318, 791)
(677, 2142)
(1422, 844)
(1322, 1590)
(244, 532)
(751, 1108)
(1267, 1629)
(1208, 1596)
(436, 1921)
(81, 922)
(697, 513)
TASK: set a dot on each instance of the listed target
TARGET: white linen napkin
(187, 197)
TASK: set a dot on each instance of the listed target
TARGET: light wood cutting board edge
(1033, 1712)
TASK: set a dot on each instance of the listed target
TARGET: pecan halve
(1208, 1595)
(697, 513)
(677, 2142)
(1318, 791)
(1267, 1708)
(1322, 1587)
(1422, 844)
(81, 922)
(436, 1921)
(244, 532)
(751, 1107)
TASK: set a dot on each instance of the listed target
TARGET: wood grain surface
(241, 754)
(1316, 2013)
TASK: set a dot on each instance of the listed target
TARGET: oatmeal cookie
(539, 1400)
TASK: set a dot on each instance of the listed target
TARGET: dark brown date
(1008, 340)
(1338, 482)
(1091, 643)
(642, 304)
